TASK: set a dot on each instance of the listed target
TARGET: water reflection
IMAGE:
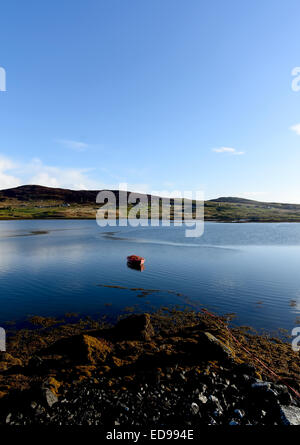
(136, 266)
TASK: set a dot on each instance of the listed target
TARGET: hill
(234, 200)
(39, 202)
(30, 193)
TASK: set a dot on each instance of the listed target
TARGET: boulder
(35, 363)
(290, 415)
(52, 384)
(135, 327)
(246, 369)
(7, 361)
(49, 397)
(210, 347)
(284, 396)
(82, 349)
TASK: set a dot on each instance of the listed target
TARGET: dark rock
(239, 413)
(209, 347)
(135, 327)
(245, 378)
(40, 410)
(272, 395)
(245, 368)
(284, 396)
(82, 349)
(36, 363)
(261, 386)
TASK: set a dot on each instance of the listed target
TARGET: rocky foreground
(162, 370)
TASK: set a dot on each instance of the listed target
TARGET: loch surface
(51, 267)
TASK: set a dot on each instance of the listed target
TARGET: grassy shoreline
(92, 218)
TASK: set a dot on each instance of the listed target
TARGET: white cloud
(296, 128)
(14, 174)
(228, 150)
(51, 176)
(74, 145)
(5, 163)
(36, 172)
(7, 180)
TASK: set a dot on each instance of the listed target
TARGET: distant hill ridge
(234, 200)
(25, 193)
(244, 201)
(39, 202)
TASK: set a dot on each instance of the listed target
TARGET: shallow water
(53, 267)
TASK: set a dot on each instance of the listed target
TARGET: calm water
(250, 269)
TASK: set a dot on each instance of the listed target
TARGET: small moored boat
(135, 259)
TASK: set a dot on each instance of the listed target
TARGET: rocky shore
(169, 368)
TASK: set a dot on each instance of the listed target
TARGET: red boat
(135, 259)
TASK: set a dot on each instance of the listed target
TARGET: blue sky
(164, 95)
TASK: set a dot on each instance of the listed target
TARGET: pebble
(202, 398)
(239, 413)
(195, 408)
(89, 403)
(8, 418)
(261, 385)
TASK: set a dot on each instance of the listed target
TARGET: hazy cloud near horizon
(7, 180)
(13, 174)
